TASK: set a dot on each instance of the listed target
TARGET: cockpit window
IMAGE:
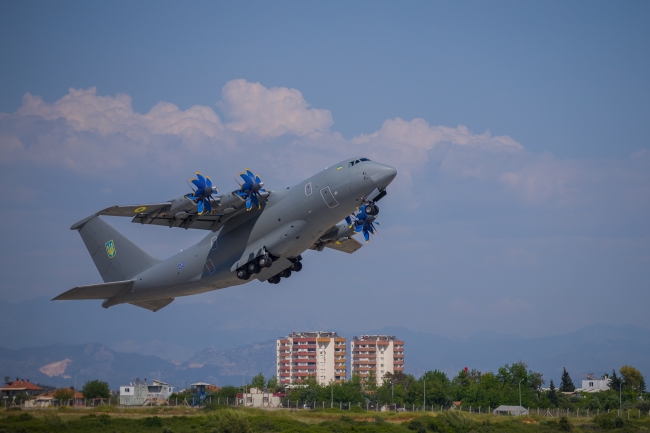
(351, 163)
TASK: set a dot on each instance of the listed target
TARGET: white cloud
(273, 112)
(93, 134)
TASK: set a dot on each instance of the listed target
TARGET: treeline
(469, 388)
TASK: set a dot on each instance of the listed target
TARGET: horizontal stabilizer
(153, 304)
(96, 291)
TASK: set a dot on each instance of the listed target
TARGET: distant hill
(597, 349)
(58, 365)
(594, 349)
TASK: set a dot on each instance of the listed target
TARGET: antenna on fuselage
(237, 181)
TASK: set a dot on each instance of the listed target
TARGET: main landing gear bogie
(296, 267)
(254, 267)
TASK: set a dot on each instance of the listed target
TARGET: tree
(273, 385)
(615, 381)
(258, 382)
(552, 393)
(566, 385)
(64, 395)
(631, 376)
(96, 389)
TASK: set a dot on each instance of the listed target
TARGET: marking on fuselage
(326, 193)
(181, 265)
(140, 209)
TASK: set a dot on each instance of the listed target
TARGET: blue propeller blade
(200, 206)
(208, 182)
(200, 178)
(250, 174)
(196, 183)
(246, 178)
(248, 203)
(207, 205)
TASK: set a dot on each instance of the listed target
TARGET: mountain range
(593, 349)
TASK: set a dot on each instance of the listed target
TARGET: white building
(311, 354)
(140, 393)
(592, 384)
(510, 410)
(380, 354)
(257, 398)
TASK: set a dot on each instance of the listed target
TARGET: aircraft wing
(349, 245)
(180, 212)
(135, 209)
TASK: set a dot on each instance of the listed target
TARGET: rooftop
(313, 334)
(376, 338)
(21, 384)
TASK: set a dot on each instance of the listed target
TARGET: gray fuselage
(289, 223)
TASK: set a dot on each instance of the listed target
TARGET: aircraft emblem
(140, 209)
(110, 249)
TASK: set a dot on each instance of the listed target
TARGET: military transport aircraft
(253, 233)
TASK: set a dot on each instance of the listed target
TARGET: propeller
(203, 193)
(363, 222)
(251, 189)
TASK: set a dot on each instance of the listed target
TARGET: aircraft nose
(383, 175)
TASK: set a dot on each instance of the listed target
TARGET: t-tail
(116, 257)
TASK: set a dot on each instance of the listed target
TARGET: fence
(369, 407)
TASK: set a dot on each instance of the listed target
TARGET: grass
(107, 419)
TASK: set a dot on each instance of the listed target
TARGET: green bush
(609, 421)
(152, 421)
(229, 421)
(456, 419)
(565, 424)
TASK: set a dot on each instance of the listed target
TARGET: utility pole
(425, 394)
(620, 398)
(74, 400)
(332, 389)
(520, 396)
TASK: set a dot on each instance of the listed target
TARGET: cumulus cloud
(88, 133)
(272, 112)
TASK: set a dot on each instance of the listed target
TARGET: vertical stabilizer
(116, 257)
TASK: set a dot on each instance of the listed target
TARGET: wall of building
(311, 354)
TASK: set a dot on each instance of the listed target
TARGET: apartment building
(378, 353)
(311, 354)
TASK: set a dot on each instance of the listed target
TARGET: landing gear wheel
(265, 261)
(252, 268)
(372, 209)
(286, 273)
(275, 279)
(242, 274)
(297, 267)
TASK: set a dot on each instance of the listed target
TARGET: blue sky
(545, 214)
